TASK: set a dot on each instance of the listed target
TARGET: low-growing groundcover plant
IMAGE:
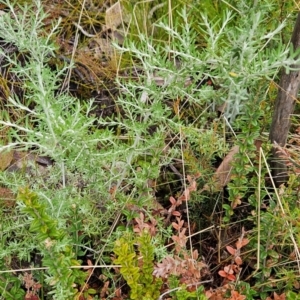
(118, 210)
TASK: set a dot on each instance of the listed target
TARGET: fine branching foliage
(166, 196)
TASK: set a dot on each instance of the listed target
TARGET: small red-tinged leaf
(182, 197)
(113, 191)
(193, 186)
(176, 213)
(228, 269)
(175, 239)
(197, 175)
(137, 230)
(237, 296)
(209, 294)
(235, 268)
(241, 243)
(296, 284)
(279, 297)
(222, 273)
(172, 200)
(89, 263)
(231, 250)
(195, 254)
(175, 225)
(185, 195)
(238, 261)
(171, 209)
(31, 297)
(179, 222)
(104, 290)
(231, 277)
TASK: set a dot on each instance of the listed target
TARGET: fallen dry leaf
(113, 16)
(7, 198)
(223, 174)
(5, 159)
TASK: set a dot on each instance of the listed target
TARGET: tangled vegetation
(134, 151)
